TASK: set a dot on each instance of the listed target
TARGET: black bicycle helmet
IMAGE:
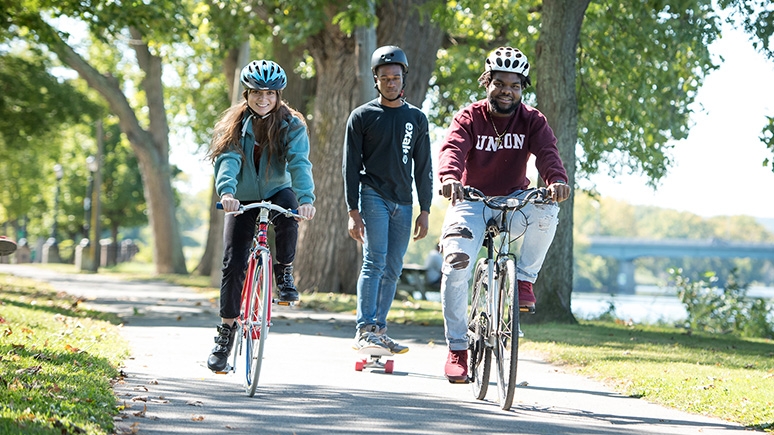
(387, 55)
(264, 75)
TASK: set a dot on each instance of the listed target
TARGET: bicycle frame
(254, 321)
(493, 319)
(500, 231)
(257, 252)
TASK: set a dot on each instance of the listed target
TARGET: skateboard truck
(375, 361)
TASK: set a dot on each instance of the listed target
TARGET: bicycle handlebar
(538, 195)
(263, 204)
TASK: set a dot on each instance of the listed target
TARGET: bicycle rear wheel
(257, 322)
(507, 333)
(478, 330)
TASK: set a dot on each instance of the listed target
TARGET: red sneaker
(526, 295)
(456, 369)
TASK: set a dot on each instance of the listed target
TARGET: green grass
(415, 312)
(715, 375)
(57, 361)
(721, 376)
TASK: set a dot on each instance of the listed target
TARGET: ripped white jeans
(461, 239)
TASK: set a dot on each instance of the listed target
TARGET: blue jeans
(461, 239)
(387, 234)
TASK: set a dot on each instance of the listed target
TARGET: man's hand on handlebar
(230, 204)
(452, 189)
(559, 191)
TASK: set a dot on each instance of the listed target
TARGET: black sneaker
(284, 277)
(224, 341)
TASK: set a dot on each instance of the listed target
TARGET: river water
(650, 304)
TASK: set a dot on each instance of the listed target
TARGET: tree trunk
(401, 24)
(299, 92)
(151, 146)
(328, 260)
(554, 63)
(207, 263)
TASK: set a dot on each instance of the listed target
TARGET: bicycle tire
(257, 323)
(507, 333)
(480, 363)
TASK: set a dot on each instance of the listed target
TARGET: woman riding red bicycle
(260, 149)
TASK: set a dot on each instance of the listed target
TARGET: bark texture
(554, 71)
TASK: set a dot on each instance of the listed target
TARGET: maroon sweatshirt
(473, 155)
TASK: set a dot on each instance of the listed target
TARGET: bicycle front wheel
(507, 333)
(478, 330)
(257, 322)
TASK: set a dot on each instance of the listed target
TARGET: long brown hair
(227, 135)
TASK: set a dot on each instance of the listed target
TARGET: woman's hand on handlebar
(230, 204)
(307, 211)
(453, 190)
(559, 191)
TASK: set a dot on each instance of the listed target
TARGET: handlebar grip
(219, 206)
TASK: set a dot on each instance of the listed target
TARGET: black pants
(238, 234)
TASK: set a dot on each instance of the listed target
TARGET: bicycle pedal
(225, 371)
(284, 303)
(528, 310)
(460, 381)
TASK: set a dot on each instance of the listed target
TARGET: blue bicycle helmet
(264, 75)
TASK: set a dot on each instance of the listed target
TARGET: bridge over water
(626, 250)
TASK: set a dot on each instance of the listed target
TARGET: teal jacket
(239, 177)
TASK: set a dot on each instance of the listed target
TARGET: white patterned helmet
(508, 59)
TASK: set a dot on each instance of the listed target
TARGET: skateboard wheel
(359, 365)
(388, 366)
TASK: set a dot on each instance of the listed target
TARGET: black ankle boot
(224, 341)
(284, 276)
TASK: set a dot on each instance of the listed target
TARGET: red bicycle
(254, 318)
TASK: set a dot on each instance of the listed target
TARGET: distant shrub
(723, 310)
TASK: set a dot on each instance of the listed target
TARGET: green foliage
(757, 19)
(31, 108)
(722, 310)
(32, 117)
(767, 137)
(638, 72)
(123, 202)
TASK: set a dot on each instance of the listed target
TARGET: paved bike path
(309, 384)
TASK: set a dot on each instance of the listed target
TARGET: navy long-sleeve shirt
(387, 148)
